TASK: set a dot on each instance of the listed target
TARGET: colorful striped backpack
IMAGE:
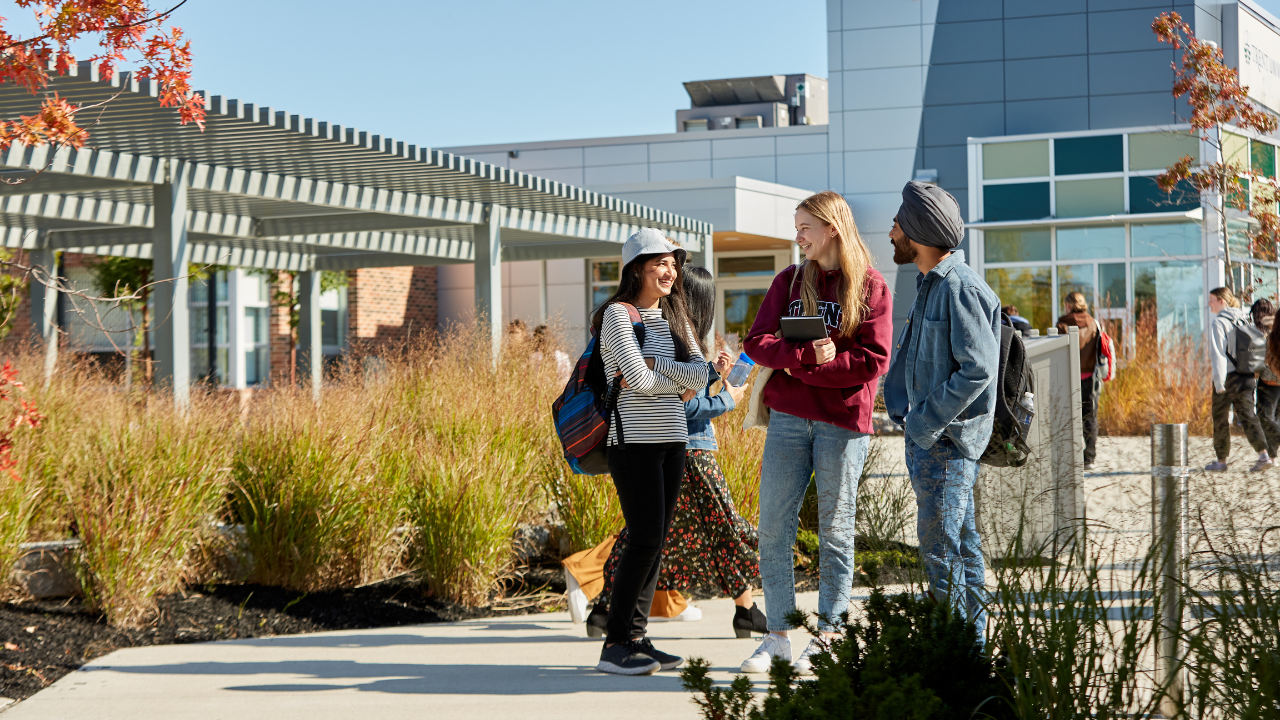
(581, 413)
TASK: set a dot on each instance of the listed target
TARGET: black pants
(647, 477)
(1238, 396)
(1089, 416)
(1268, 398)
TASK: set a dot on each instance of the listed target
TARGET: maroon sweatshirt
(840, 392)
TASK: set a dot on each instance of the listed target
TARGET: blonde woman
(820, 398)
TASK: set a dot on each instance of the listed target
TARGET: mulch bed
(44, 640)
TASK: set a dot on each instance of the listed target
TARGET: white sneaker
(804, 664)
(689, 614)
(774, 646)
(577, 599)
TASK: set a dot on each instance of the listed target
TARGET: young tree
(125, 31)
(285, 295)
(1217, 98)
(123, 277)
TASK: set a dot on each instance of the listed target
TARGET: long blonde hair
(855, 260)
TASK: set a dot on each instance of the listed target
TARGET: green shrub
(141, 491)
(910, 659)
(303, 509)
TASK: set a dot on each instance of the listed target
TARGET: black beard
(903, 254)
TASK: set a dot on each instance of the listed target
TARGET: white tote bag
(757, 412)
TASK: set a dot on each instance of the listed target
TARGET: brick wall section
(279, 333)
(389, 304)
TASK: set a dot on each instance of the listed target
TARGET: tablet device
(803, 329)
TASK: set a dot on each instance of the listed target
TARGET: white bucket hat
(650, 241)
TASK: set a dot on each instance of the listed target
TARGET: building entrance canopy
(265, 189)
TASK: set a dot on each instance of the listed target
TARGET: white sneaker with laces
(689, 614)
(774, 646)
(803, 664)
(577, 599)
(1264, 462)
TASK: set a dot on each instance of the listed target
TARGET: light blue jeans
(949, 544)
(794, 450)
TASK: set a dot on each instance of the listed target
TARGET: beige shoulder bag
(757, 411)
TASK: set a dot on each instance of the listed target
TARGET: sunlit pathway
(531, 667)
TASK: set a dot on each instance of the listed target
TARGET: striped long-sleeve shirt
(651, 409)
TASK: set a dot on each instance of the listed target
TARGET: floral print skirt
(709, 542)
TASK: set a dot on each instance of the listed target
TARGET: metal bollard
(1169, 471)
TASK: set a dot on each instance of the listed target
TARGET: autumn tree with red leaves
(125, 30)
(1217, 98)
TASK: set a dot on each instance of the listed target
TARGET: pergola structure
(265, 189)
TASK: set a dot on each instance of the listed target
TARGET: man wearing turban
(941, 388)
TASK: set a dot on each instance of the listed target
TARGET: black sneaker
(666, 660)
(624, 659)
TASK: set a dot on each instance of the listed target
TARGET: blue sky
(457, 73)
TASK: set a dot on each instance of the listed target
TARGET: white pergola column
(488, 245)
(170, 256)
(310, 353)
(44, 303)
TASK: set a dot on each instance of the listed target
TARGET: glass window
(605, 271)
(1028, 288)
(255, 325)
(1015, 159)
(1159, 150)
(1113, 290)
(1076, 156)
(1084, 198)
(329, 327)
(1264, 283)
(1162, 239)
(1020, 201)
(1075, 278)
(601, 293)
(695, 125)
(1262, 158)
(746, 122)
(1088, 243)
(740, 308)
(1174, 291)
(1016, 245)
(1235, 150)
(756, 266)
(1238, 239)
(1147, 197)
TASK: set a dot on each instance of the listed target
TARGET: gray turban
(930, 216)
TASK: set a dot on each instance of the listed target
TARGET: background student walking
(1263, 313)
(941, 388)
(647, 434)
(819, 398)
(1232, 391)
(1075, 312)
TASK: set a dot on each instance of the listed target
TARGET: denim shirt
(700, 411)
(942, 379)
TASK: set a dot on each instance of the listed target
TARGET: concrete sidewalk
(529, 667)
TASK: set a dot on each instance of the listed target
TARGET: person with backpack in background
(647, 431)
(1264, 316)
(820, 395)
(1020, 323)
(941, 388)
(1237, 349)
(1075, 312)
(709, 542)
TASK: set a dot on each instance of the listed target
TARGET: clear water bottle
(740, 371)
(1024, 411)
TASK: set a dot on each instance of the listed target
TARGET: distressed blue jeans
(949, 544)
(795, 450)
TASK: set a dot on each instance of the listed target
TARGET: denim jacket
(701, 410)
(943, 374)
